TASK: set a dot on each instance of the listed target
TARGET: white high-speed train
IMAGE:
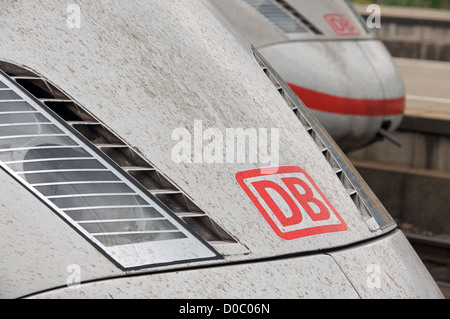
(122, 129)
(331, 59)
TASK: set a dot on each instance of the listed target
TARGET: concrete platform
(427, 86)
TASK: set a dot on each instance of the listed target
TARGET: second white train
(331, 60)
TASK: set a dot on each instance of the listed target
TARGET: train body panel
(38, 250)
(367, 278)
(402, 275)
(176, 75)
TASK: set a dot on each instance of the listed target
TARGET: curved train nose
(352, 87)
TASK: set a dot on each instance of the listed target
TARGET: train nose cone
(352, 87)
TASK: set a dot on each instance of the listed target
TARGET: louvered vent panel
(85, 187)
(283, 16)
(123, 155)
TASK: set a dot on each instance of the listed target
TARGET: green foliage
(436, 4)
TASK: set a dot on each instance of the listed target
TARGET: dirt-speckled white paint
(343, 274)
(400, 270)
(145, 69)
(310, 277)
(36, 246)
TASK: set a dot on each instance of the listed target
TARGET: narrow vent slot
(124, 156)
(208, 229)
(175, 202)
(40, 88)
(68, 111)
(97, 134)
(148, 179)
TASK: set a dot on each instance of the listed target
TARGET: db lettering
(290, 201)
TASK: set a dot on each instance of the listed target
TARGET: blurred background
(413, 181)
(435, 4)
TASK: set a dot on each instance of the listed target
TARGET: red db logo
(290, 202)
(341, 24)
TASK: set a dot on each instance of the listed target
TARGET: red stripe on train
(349, 106)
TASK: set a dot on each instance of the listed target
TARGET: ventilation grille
(372, 211)
(296, 14)
(284, 17)
(68, 158)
